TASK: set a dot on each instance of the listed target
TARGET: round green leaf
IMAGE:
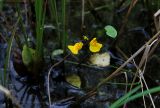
(111, 31)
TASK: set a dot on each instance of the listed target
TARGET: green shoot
(54, 15)
(40, 17)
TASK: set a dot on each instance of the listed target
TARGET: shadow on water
(31, 93)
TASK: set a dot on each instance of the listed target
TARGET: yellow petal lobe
(76, 47)
(94, 45)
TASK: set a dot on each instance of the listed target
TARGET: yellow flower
(85, 38)
(94, 46)
(76, 47)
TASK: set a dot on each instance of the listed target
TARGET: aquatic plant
(91, 52)
(33, 58)
(8, 55)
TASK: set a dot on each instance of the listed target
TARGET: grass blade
(138, 95)
(54, 15)
(119, 101)
(8, 54)
(64, 39)
(40, 17)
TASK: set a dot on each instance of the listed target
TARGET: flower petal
(73, 49)
(93, 41)
(76, 47)
(95, 46)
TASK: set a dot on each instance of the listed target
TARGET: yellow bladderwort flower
(94, 46)
(76, 47)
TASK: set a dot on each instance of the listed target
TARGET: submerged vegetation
(87, 53)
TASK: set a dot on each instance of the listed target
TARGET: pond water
(37, 90)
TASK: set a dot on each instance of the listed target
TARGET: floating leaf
(57, 52)
(74, 80)
(100, 59)
(111, 31)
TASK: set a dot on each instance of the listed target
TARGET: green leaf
(111, 31)
(57, 52)
(123, 98)
(27, 55)
(74, 80)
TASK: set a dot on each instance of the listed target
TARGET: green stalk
(40, 17)
(119, 101)
(1, 4)
(8, 53)
(64, 39)
(55, 15)
(138, 95)
(127, 98)
(22, 25)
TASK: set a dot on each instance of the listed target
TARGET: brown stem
(133, 3)
(123, 65)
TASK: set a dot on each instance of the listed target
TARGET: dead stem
(123, 65)
(143, 59)
(48, 77)
(129, 60)
(132, 4)
(8, 94)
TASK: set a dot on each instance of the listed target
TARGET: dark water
(32, 93)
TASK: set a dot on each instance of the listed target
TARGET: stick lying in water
(8, 94)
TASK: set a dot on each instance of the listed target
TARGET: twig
(121, 52)
(133, 3)
(157, 20)
(131, 58)
(48, 77)
(143, 79)
(123, 65)
(144, 102)
(8, 94)
(144, 62)
(143, 59)
(154, 47)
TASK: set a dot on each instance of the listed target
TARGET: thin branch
(122, 66)
(8, 94)
(48, 77)
(132, 4)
